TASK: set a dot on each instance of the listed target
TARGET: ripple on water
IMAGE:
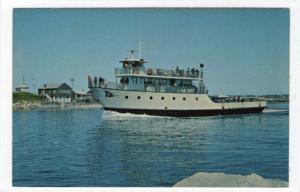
(102, 148)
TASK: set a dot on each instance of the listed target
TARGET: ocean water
(99, 148)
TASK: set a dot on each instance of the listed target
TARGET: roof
(52, 85)
(23, 86)
(222, 96)
(80, 92)
(156, 76)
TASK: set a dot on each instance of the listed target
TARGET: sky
(244, 51)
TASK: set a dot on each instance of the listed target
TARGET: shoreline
(38, 106)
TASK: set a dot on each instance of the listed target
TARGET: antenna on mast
(140, 49)
(23, 79)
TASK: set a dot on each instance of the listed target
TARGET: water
(98, 148)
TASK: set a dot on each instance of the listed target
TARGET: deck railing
(232, 99)
(189, 73)
(162, 89)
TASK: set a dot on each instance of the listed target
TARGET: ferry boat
(161, 92)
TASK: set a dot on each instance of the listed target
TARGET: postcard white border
(6, 82)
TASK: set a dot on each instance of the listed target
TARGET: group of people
(177, 72)
(96, 82)
(188, 72)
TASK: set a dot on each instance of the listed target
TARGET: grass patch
(18, 97)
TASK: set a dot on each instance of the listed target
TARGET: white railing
(193, 73)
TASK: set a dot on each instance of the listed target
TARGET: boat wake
(274, 110)
(120, 116)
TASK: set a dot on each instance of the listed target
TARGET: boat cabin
(134, 76)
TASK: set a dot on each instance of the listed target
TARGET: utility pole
(33, 85)
(23, 79)
(72, 81)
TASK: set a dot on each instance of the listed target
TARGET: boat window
(183, 98)
(162, 98)
(126, 97)
(151, 97)
(138, 97)
(174, 98)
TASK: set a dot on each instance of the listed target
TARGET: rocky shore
(26, 105)
(29, 106)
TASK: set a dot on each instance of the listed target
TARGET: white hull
(165, 104)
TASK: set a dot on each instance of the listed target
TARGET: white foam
(274, 110)
(117, 115)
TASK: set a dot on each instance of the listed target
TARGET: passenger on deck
(197, 73)
(193, 72)
(100, 81)
(177, 70)
(90, 81)
(95, 81)
(188, 72)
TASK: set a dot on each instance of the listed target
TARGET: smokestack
(201, 71)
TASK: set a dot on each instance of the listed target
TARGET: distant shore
(35, 105)
(26, 101)
(29, 101)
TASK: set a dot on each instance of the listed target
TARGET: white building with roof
(56, 92)
(22, 88)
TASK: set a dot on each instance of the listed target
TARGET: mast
(201, 84)
(201, 72)
(140, 49)
(23, 79)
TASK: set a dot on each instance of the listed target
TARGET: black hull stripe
(188, 113)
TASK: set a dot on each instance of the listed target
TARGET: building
(56, 92)
(81, 96)
(22, 88)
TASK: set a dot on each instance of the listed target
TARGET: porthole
(150, 97)
(174, 98)
(196, 98)
(162, 98)
(126, 97)
(183, 98)
(138, 97)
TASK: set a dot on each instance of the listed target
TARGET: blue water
(98, 148)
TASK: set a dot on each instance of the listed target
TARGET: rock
(203, 179)
(25, 105)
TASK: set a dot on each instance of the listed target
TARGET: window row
(162, 98)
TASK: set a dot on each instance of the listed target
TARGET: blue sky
(245, 51)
